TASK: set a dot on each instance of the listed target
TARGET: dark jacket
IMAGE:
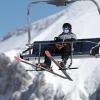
(67, 36)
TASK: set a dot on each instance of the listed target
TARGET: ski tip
(70, 79)
(48, 54)
(17, 58)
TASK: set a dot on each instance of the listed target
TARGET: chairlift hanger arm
(93, 1)
(63, 2)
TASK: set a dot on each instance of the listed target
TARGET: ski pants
(65, 52)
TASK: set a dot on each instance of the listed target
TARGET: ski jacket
(68, 36)
(63, 38)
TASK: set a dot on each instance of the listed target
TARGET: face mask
(66, 30)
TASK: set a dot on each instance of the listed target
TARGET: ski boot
(45, 67)
(63, 67)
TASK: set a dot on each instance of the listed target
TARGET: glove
(59, 46)
(57, 39)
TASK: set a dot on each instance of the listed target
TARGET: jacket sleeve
(73, 37)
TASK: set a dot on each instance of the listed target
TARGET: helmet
(67, 25)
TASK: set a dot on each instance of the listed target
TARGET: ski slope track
(85, 21)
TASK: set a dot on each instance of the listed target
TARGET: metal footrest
(68, 68)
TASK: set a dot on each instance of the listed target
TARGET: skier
(64, 49)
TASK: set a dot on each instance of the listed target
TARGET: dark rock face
(13, 76)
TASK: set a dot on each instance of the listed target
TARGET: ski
(72, 68)
(51, 58)
(37, 66)
(66, 68)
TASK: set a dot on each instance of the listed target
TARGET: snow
(86, 23)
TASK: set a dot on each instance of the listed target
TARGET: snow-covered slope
(44, 86)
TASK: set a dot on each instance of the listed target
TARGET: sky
(13, 13)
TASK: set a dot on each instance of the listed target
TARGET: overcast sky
(13, 13)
